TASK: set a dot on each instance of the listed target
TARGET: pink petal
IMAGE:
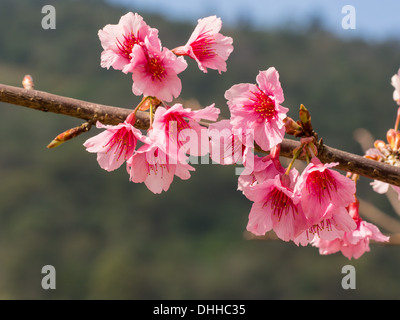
(269, 82)
(259, 222)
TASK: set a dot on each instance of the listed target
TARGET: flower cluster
(161, 153)
(312, 207)
(133, 47)
(317, 206)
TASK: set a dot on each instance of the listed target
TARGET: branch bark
(85, 110)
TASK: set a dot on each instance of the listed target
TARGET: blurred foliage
(112, 239)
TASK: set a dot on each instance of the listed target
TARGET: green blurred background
(109, 238)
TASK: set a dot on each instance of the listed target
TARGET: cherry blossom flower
(276, 207)
(335, 222)
(155, 71)
(258, 107)
(263, 168)
(227, 146)
(114, 145)
(152, 166)
(321, 186)
(176, 127)
(396, 84)
(207, 46)
(380, 186)
(355, 243)
(119, 39)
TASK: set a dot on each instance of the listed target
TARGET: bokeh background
(109, 238)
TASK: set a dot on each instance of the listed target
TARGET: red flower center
(125, 47)
(180, 122)
(174, 124)
(280, 203)
(203, 46)
(321, 184)
(123, 140)
(155, 68)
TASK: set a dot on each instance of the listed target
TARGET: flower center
(262, 105)
(317, 228)
(123, 140)
(177, 122)
(320, 184)
(173, 126)
(155, 68)
(203, 46)
(280, 203)
(157, 163)
(125, 47)
(157, 169)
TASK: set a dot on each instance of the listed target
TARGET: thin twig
(47, 102)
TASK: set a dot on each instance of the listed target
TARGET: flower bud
(382, 147)
(131, 118)
(285, 180)
(393, 138)
(292, 127)
(69, 134)
(27, 82)
(149, 101)
(305, 119)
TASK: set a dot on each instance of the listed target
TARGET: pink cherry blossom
(207, 46)
(114, 145)
(177, 130)
(227, 146)
(320, 187)
(276, 207)
(119, 39)
(355, 243)
(152, 166)
(258, 107)
(263, 168)
(155, 71)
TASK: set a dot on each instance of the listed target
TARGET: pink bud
(27, 82)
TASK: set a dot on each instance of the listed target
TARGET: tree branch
(47, 102)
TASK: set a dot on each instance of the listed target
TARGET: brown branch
(350, 162)
(47, 102)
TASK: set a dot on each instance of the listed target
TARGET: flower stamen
(280, 203)
(321, 184)
(123, 140)
(263, 105)
(203, 46)
(155, 68)
(125, 47)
